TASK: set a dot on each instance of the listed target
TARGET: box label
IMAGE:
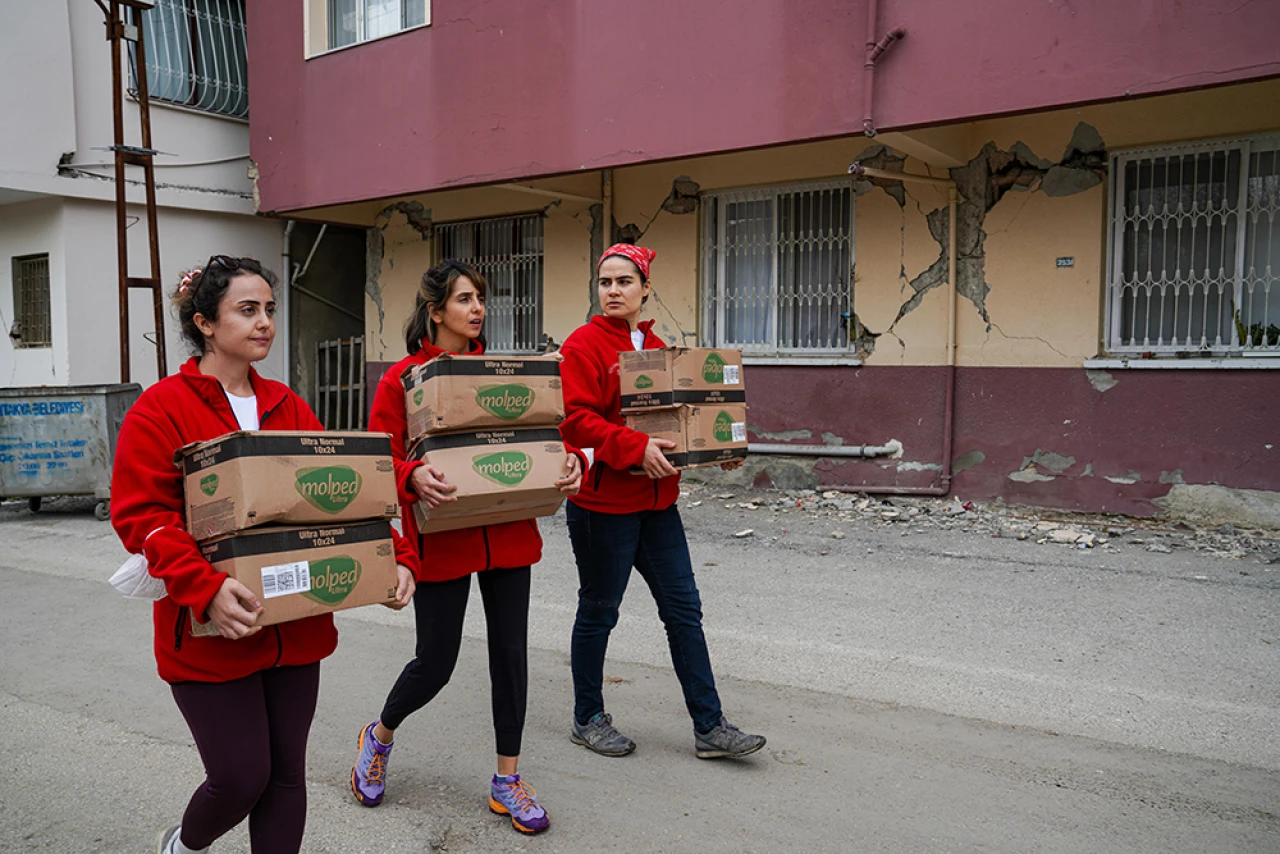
(507, 401)
(328, 488)
(285, 578)
(506, 468)
(732, 374)
(713, 368)
(333, 579)
(209, 485)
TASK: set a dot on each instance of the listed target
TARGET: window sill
(803, 361)
(1223, 363)
(333, 50)
(153, 103)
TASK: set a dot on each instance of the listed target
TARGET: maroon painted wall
(497, 90)
(1214, 426)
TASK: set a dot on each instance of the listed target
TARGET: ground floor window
(508, 252)
(1194, 262)
(777, 268)
(32, 326)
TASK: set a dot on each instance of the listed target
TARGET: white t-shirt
(246, 410)
(637, 339)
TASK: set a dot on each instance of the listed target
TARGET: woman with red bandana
(620, 520)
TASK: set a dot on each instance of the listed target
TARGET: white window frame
(504, 271)
(1247, 216)
(713, 277)
(317, 40)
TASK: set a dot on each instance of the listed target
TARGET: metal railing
(777, 268)
(196, 54)
(340, 383)
(508, 253)
(31, 304)
(1194, 265)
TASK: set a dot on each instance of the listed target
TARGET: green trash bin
(61, 440)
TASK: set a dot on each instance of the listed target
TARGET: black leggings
(252, 737)
(439, 609)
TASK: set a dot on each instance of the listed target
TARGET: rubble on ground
(1042, 526)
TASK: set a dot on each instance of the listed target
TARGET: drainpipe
(286, 286)
(948, 421)
(874, 51)
(824, 450)
(606, 214)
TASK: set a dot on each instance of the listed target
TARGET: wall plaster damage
(982, 183)
(416, 217)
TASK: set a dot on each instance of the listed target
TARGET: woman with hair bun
(249, 693)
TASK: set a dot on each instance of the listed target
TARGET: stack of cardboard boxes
(490, 424)
(693, 396)
(301, 519)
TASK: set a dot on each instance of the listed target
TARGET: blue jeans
(607, 546)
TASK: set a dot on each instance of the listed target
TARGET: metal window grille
(508, 253)
(777, 268)
(1194, 261)
(33, 323)
(354, 21)
(196, 55)
(340, 383)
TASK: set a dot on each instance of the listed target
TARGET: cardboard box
(301, 572)
(455, 393)
(704, 435)
(653, 379)
(501, 475)
(245, 479)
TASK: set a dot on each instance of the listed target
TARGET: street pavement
(922, 691)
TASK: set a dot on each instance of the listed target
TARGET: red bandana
(638, 255)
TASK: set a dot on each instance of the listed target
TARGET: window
(777, 268)
(353, 21)
(196, 55)
(508, 253)
(1195, 249)
(31, 326)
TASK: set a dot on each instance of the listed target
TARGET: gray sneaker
(164, 839)
(726, 740)
(598, 734)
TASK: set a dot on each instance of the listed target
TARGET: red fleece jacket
(148, 514)
(448, 554)
(593, 419)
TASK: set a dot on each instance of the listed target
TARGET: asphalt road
(934, 692)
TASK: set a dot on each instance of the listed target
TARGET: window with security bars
(508, 253)
(32, 325)
(1195, 249)
(196, 55)
(354, 21)
(777, 268)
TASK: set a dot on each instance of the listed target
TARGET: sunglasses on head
(229, 264)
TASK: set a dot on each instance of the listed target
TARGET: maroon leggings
(252, 736)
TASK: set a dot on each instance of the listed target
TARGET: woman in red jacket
(620, 520)
(448, 317)
(248, 695)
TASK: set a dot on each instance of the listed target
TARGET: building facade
(59, 303)
(1115, 326)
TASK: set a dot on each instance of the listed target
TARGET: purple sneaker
(369, 776)
(516, 798)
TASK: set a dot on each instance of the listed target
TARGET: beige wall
(1037, 313)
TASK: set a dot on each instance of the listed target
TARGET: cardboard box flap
(498, 367)
(427, 444)
(270, 540)
(279, 443)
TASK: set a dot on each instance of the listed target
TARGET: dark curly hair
(202, 289)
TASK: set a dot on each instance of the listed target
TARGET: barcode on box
(285, 578)
(732, 374)
(739, 431)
